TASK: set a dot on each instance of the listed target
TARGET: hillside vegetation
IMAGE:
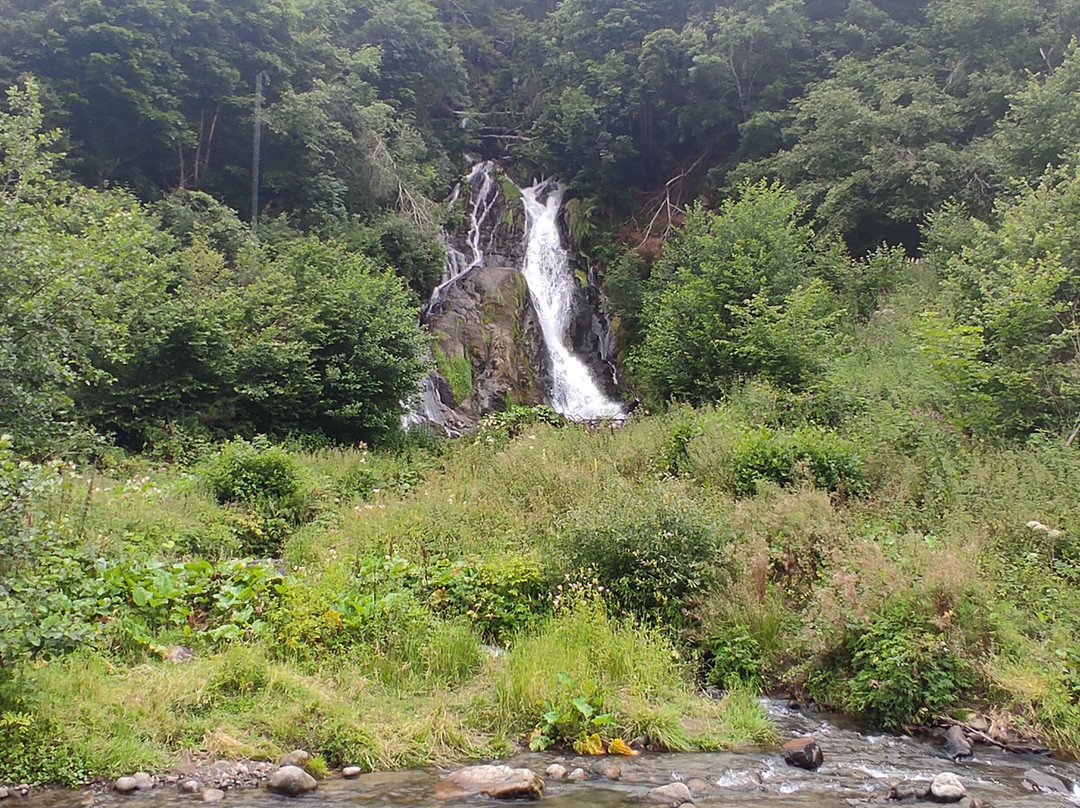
(840, 248)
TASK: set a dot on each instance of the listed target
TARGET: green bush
(264, 482)
(810, 455)
(253, 471)
(735, 658)
(33, 756)
(648, 557)
(894, 668)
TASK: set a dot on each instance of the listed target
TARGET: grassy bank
(543, 584)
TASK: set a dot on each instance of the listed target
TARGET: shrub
(253, 471)
(649, 557)
(809, 454)
(264, 480)
(894, 668)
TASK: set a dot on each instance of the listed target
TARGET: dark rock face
(498, 782)
(486, 317)
(804, 753)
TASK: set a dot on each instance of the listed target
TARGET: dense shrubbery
(805, 455)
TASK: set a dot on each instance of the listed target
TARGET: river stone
(190, 787)
(908, 791)
(4, 793)
(291, 781)
(577, 775)
(947, 787)
(297, 757)
(178, 654)
(1046, 783)
(351, 772)
(143, 781)
(556, 771)
(673, 794)
(213, 795)
(803, 752)
(608, 768)
(957, 745)
(498, 782)
(125, 785)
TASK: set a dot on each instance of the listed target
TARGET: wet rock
(957, 746)
(673, 794)
(4, 793)
(1046, 783)
(947, 787)
(608, 768)
(291, 781)
(350, 772)
(143, 781)
(213, 795)
(487, 318)
(576, 775)
(498, 782)
(298, 757)
(971, 802)
(189, 787)
(697, 784)
(125, 785)
(803, 752)
(908, 791)
(556, 771)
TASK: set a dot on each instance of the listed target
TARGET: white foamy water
(574, 393)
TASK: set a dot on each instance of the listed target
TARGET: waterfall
(483, 194)
(552, 291)
(547, 272)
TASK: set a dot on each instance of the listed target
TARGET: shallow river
(859, 768)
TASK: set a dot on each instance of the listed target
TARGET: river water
(858, 770)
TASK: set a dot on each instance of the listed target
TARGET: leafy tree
(74, 265)
(874, 149)
(1009, 341)
(1039, 130)
(736, 293)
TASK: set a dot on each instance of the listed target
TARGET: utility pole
(256, 153)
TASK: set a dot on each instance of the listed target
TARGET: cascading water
(482, 193)
(491, 242)
(574, 393)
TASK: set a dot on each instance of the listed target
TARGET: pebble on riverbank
(292, 781)
(673, 795)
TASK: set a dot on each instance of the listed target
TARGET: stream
(858, 770)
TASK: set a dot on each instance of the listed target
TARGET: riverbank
(536, 584)
(860, 767)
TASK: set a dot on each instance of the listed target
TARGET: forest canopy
(856, 128)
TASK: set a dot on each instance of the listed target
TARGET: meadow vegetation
(546, 584)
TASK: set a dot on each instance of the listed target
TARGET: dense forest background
(137, 301)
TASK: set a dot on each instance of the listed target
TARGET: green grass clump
(631, 674)
(457, 370)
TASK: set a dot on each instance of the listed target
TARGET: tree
(1009, 337)
(737, 292)
(74, 265)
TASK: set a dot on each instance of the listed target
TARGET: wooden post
(256, 153)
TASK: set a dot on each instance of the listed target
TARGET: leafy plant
(573, 716)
